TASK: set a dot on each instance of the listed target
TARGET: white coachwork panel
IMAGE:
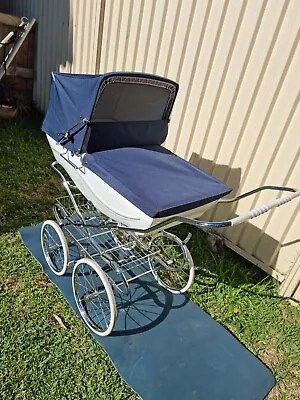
(237, 114)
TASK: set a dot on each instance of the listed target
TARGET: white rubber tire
(189, 260)
(111, 298)
(64, 245)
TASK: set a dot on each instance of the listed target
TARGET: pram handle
(294, 193)
(264, 208)
(221, 224)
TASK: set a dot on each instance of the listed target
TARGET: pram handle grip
(264, 208)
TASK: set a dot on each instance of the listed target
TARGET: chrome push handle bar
(294, 193)
(264, 208)
(231, 222)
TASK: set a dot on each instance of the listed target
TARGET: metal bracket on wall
(25, 26)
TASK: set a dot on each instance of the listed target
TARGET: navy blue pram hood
(142, 101)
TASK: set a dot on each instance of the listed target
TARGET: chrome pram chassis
(107, 256)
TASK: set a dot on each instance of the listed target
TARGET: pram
(124, 189)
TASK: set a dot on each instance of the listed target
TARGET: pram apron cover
(123, 109)
(155, 180)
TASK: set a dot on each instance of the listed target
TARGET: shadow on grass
(217, 265)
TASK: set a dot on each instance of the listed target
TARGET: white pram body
(105, 198)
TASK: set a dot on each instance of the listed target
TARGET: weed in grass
(41, 360)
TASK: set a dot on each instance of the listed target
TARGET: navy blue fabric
(155, 180)
(112, 135)
(166, 347)
(73, 96)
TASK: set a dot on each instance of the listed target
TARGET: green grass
(40, 360)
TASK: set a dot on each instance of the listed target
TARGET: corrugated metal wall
(237, 114)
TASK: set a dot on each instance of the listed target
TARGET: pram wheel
(59, 213)
(172, 266)
(55, 247)
(94, 296)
